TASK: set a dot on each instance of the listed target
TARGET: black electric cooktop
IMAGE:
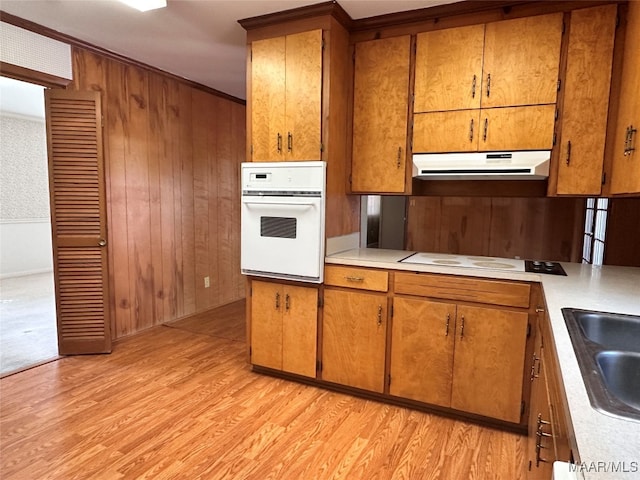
(539, 266)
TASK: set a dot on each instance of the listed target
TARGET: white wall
(25, 227)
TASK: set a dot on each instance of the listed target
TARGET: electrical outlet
(207, 283)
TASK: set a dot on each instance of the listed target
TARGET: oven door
(283, 237)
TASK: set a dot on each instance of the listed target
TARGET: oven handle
(305, 204)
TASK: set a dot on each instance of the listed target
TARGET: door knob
(102, 242)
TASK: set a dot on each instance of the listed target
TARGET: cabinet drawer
(493, 292)
(354, 277)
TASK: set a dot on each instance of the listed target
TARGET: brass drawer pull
(446, 331)
(462, 328)
(473, 87)
(568, 159)
(351, 278)
(286, 301)
(277, 301)
(399, 160)
(379, 315)
(279, 143)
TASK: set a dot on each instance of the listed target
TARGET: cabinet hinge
(604, 178)
(559, 84)
(251, 149)
(557, 114)
(318, 366)
(323, 44)
(555, 137)
(321, 147)
(522, 408)
(389, 380)
(528, 330)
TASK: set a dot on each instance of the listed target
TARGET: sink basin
(607, 346)
(621, 373)
(612, 331)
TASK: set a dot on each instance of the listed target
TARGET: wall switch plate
(207, 282)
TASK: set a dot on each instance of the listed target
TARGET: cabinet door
(517, 128)
(381, 96)
(489, 361)
(586, 100)
(422, 338)
(521, 61)
(266, 324)
(268, 99)
(625, 176)
(353, 339)
(449, 69)
(538, 411)
(299, 330)
(303, 95)
(446, 131)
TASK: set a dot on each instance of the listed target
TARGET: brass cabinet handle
(279, 143)
(379, 315)
(289, 141)
(533, 367)
(473, 87)
(628, 140)
(471, 131)
(488, 84)
(354, 279)
(277, 301)
(462, 328)
(399, 157)
(446, 329)
(486, 129)
(286, 302)
(568, 159)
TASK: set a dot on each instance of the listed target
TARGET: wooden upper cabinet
(586, 100)
(381, 103)
(353, 339)
(625, 175)
(449, 69)
(517, 128)
(521, 61)
(488, 360)
(286, 90)
(446, 131)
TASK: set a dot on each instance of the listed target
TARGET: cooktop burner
(538, 266)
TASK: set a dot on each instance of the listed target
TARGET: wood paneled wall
(536, 228)
(172, 160)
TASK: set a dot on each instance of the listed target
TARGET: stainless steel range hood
(529, 165)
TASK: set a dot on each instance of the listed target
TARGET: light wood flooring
(179, 401)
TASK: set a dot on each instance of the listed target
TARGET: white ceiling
(200, 40)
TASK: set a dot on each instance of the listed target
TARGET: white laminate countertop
(608, 447)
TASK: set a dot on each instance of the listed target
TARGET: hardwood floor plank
(180, 402)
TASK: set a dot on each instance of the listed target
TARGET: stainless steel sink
(607, 347)
(621, 373)
(612, 331)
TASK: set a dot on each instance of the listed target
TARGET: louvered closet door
(74, 138)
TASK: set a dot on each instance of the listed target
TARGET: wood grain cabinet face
(586, 100)
(459, 356)
(353, 339)
(422, 344)
(284, 327)
(286, 90)
(381, 103)
(465, 77)
(488, 362)
(625, 175)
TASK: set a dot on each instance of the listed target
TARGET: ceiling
(200, 40)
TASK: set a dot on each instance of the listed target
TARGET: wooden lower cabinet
(422, 342)
(459, 356)
(548, 433)
(488, 362)
(353, 338)
(284, 321)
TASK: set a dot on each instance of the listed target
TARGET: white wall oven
(283, 214)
